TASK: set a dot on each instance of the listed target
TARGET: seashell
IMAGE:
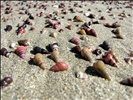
(114, 55)
(115, 25)
(107, 25)
(31, 17)
(13, 45)
(55, 55)
(105, 45)
(59, 66)
(55, 26)
(61, 30)
(70, 27)
(117, 32)
(38, 60)
(43, 31)
(24, 42)
(92, 32)
(75, 40)
(76, 49)
(128, 81)
(8, 28)
(39, 50)
(86, 53)
(129, 60)
(5, 82)
(4, 52)
(77, 19)
(21, 51)
(32, 28)
(87, 14)
(54, 46)
(21, 31)
(81, 75)
(131, 53)
(108, 59)
(82, 32)
(101, 69)
(53, 34)
(102, 18)
(91, 16)
(97, 51)
(84, 37)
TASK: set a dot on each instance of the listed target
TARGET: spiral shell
(114, 55)
(59, 66)
(55, 55)
(82, 32)
(55, 26)
(25, 42)
(128, 81)
(6, 81)
(53, 34)
(92, 32)
(76, 49)
(78, 19)
(38, 59)
(37, 49)
(107, 25)
(54, 46)
(117, 32)
(21, 51)
(115, 25)
(4, 52)
(8, 28)
(108, 59)
(86, 53)
(75, 40)
(105, 45)
(70, 27)
(101, 69)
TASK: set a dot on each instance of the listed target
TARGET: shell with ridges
(101, 69)
(21, 51)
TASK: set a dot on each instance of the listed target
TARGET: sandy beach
(30, 82)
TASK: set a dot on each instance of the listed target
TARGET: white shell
(81, 75)
(13, 45)
(87, 14)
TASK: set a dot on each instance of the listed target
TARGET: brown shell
(78, 19)
(82, 32)
(24, 42)
(59, 66)
(38, 59)
(101, 69)
(55, 55)
(85, 52)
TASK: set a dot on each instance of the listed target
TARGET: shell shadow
(80, 57)
(30, 62)
(32, 52)
(91, 71)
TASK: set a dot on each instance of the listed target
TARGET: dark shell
(115, 25)
(4, 52)
(97, 52)
(8, 80)
(128, 81)
(76, 49)
(40, 50)
(105, 45)
(91, 16)
(31, 17)
(92, 32)
(102, 18)
(5, 82)
(8, 28)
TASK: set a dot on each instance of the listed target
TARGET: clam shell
(86, 53)
(55, 55)
(101, 69)
(59, 66)
(38, 59)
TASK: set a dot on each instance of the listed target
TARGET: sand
(32, 83)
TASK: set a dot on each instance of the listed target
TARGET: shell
(70, 27)
(105, 45)
(75, 40)
(129, 60)
(102, 18)
(54, 46)
(21, 31)
(59, 66)
(43, 31)
(5, 82)
(55, 55)
(38, 59)
(82, 32)
(4, 52)
(81, 75)
(8, 28)
(53, 34)
(78, 19)
(39, 50)
(117, 32)
(21, 51)
(108, 59)
(91, 16)
(76, 49)
(86, 53)
(55, 26)
(92, 32)
(101, 69)
(24, 42)
(128, 81)
(114, 56)
(115, 25)
(107, 25)
(13, 45)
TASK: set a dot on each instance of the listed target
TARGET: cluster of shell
(86, 52)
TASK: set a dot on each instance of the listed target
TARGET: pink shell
(56, 25)
(21, 51)
(59, 66)
(75, 40)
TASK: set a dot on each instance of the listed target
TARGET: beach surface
(30, 82)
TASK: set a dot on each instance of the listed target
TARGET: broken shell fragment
(81, 75)
(75, 40)
(129, 60)
(38, 59)
(101, 69)
(108, 59)
(86, 53)
(59, 66)
(24, 42)
(128, 81)
(55, 55)
(21, 51)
